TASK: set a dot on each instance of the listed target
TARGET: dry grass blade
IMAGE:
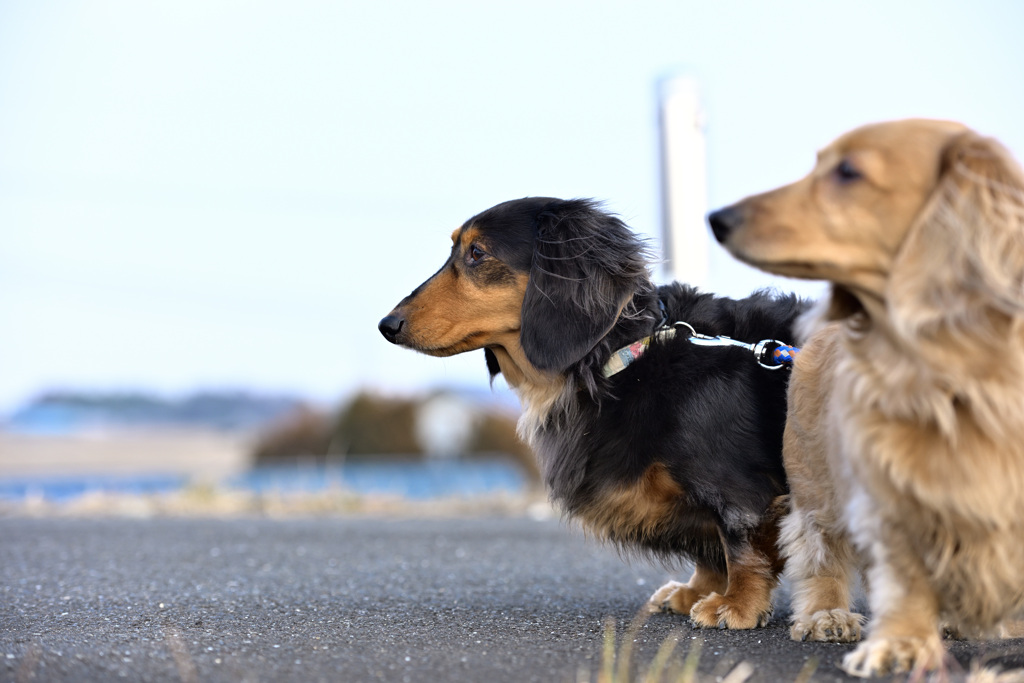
(809, 667)
(607, 673)
(665, 650)
(740, 673)
(27, 668)
(187, 671)
(626, 651)
(688, 674)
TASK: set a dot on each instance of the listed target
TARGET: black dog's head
(541, 279)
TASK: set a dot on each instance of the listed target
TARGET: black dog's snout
(724, 221)
(390, 326)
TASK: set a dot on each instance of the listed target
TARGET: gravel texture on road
(476, 600)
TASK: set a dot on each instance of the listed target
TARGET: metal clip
(763, 350)
(760, 350)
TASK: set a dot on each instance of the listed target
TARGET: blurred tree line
(375, 426)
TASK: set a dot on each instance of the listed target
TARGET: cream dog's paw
(828, 625)
(879, 656)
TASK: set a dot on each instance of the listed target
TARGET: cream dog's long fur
(905, 437)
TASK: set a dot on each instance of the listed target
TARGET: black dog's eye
(474, 254)
(847, 172)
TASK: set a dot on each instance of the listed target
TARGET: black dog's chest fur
(681, 450)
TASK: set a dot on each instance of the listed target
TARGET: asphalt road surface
(483, 601)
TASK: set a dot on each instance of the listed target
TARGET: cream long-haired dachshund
(904, 445)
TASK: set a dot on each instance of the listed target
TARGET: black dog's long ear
(493, 368)
(587, 264)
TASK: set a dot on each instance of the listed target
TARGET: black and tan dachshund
(661, 446)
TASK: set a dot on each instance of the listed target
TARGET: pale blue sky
(214, 193)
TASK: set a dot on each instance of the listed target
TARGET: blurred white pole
(684, 182)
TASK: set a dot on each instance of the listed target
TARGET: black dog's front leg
(754, 565)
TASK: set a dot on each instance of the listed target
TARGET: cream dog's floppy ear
(963, 259)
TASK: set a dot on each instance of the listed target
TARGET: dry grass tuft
(617, 665)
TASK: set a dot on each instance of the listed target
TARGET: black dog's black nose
(390, 326)
(724, 221)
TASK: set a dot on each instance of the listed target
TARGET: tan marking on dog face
(467, 236)
(467, 305)
(636, 510)
(847, 229)
(452, 314)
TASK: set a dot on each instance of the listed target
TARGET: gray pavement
(351, 600)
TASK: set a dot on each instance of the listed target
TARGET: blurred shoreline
(199, 454)
(220, 503)
(207, 473)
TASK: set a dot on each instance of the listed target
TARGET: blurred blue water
(62, 488)
(416, 480)
(419, 479)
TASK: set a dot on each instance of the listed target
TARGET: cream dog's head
(915, 223)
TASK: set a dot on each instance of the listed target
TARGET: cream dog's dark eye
(847, 172)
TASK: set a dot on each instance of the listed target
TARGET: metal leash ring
(760, 349)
